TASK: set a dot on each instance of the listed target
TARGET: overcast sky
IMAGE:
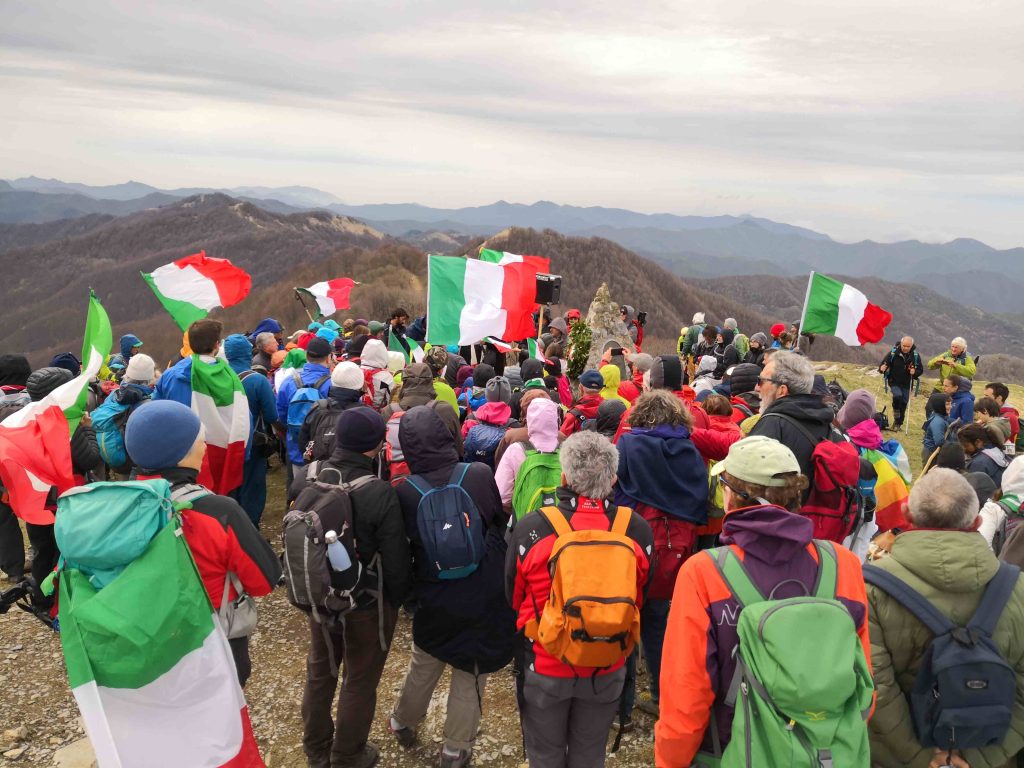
(859, 118)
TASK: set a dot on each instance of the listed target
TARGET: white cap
(698, 317)
(347, 376)
(141, 368)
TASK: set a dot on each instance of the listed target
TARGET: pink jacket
(497, 414)
(542, 427)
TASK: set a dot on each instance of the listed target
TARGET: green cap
(376, 326)
(760, 461)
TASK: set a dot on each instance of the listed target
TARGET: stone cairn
(606, 324)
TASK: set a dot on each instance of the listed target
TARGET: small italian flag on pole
(220, 402)
(470, 299)
(35, 442)
(415, 353)
(505, 347)
(841, 310)
(150, 668)
(329, 295)
(191, 287)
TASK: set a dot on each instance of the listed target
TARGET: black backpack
(322, 421)
(1008, 525)
(965, 691)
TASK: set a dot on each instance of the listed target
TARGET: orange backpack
(591, 618)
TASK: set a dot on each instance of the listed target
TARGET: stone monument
(605, 322)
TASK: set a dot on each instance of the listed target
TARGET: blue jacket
(311, 373)
(962, 407)
(662, 468)
(176, 383)
(935, 431)
(260, 394)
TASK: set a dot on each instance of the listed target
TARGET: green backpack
(538, 477)
(802, 688)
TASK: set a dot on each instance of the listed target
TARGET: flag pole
(803, 312)
(298, 296)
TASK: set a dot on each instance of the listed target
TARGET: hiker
(264, 345)
(987, 413)
(437, 359)
(556, 337)
(776, 332)
(634, 324)
(726, 355)
(377, 329)
(704, 376)
(418, 389)
(638, 364)
(982, 455)
(318, 434)
(954, 360)
(661, 475)
(530, 368)
(609, 417)
(1001, 394)
(461, 621)
(109, 419)
(758, 347)
(379, 381)
(961, 407)
(166, 439)
(743, 395)
(543, 438)
(571, 683)
(952, 456)
(396, 327)
(773, 547)
(474, 387)
(935, 425)
(950, 571)
(1000, 518)
(271, 326)
(591, 384)
(902, 369)
(203, 339)
(611, 376)
(455, 362)
(667, 373)
(720, 413)
(128, 345)
(487, 426)
(521, 434)
(261, 445)
(693, 335)
(14, 373)
(297, 394)
(359, 644)
(706, 345)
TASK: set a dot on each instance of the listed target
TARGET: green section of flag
(821, 312)
(216, 380)
(394, 345)
(446, 279)
(182, 312)
(306, 294)
(139, 626)
(97, 341)
(494, 257)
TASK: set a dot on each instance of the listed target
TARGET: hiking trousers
(464, 696)
(566, 719)
(356, 649)
(900, 400)
(252, 493)
(12, 545)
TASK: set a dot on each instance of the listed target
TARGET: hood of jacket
(427, 443)
(266, 325)
(374, 355)
(866, 434)
(1013, 479)
(482, 374)
(238, 351)
(965, 385)
(346, 398)
(950, 561)
(417, 386)
(662, 468)
(630, 313)
(803, 408)
(14, 370)
(45, 380)
(609, 416)
(769, 533)
(493, 413)
(611, 375)
(542, 423)
(128, 342)
(531, 368)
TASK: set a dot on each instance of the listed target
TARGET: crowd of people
(720, 516)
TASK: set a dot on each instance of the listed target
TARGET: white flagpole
(803, 312)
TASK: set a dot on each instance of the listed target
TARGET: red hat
(777, 330)
(572, 314)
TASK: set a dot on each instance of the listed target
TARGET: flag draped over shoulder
(329, 295)
(890, 491)
(150, 668)
(222, 407)
(190, 287)
(841, 310)
(35, 442)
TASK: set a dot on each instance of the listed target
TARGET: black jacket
(755, 356)
(379, 527)
(85, 453)
(810, 411)
(898, 372)
(463, 622)
(337, 400)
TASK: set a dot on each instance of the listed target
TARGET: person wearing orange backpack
(572, 672)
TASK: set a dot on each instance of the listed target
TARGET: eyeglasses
(763, 379)
(742, 494)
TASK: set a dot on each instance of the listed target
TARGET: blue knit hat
(160, 433)
(592, 380)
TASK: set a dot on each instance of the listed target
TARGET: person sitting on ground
(935, 425)
(720, 413)
(758, 345)
(1001, 394)
(944, 561)
(982, 455)
(591, 384)
(961, 407)
(987, 413)
(704, 378)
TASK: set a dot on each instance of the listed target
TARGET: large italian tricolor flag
(220, 402)
(190, 287)
(469, 299)
(150, 667)
(329, 295)
(35, 442)
(841, 310)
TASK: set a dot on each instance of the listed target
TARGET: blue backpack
(964, 693)
(108, 421)
(301, 403)
(450, 526)
(482, 442)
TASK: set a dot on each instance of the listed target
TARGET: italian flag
(222, 407)
(841, 310)
(150, 667)
(507, 346)
(415, 353)
(190, 287)
(329, 295)
(540, 264)
(470, 299)
(35, 442)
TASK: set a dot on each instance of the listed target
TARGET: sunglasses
(763, 379)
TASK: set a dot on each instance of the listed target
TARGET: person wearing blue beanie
(161, 433)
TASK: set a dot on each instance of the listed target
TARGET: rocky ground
(38, 717)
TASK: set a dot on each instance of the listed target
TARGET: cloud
(861, 116)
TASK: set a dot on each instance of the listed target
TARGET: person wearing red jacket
(165, 439)
(762, 488)
(567, 711)
(1001, 394)
(586, 405)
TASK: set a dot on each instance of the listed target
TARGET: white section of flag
(186, 285)
(482, 312)
(852, 304)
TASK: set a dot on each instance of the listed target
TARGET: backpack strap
(735, 576)
(185, 493)
(910, 599)
(557, 520)
(412, 480)
(1009, 510)
(321, 381)
(828, 570)
(297, 379)
(623, 517)
(460, 471)
(245, 375)
(997, 594)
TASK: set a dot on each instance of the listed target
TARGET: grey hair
(907, 338)
(729, 323)
(943, 499)
(959, 341)
(793, 370)
(659, 407)
(589, 463)
(264, 338)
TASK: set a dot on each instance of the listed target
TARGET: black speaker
(549, 287)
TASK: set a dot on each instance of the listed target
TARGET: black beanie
(360, 429)
(743, 378)
(14, 370)
(667, 373)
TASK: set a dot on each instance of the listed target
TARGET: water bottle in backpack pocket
(450, 525)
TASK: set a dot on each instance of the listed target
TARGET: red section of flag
(518, 299)
(249, 755)
(338, 291)
(223, 467)
(33, 458)
(871, 328)
(233, 284)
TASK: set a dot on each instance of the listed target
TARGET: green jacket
(950, 569)
(692, 337)
(947, 365)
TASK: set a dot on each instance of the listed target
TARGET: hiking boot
(457, 760)
(406, 737)
(324, 761)
(646, 704)
(624, 726)
(366, 758)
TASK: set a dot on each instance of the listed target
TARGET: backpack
(965, 691)
(450, 526)
(11, 402)
(675, 541)
(591, 618)
(482, 442)
(1008, 525)
(837, 393)
(394, 458)
(108, 421)
(300, 404)
(538, 477)
(802, 687)
(323, 427)
(881, 419)
(834, 502)
(581, 420)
